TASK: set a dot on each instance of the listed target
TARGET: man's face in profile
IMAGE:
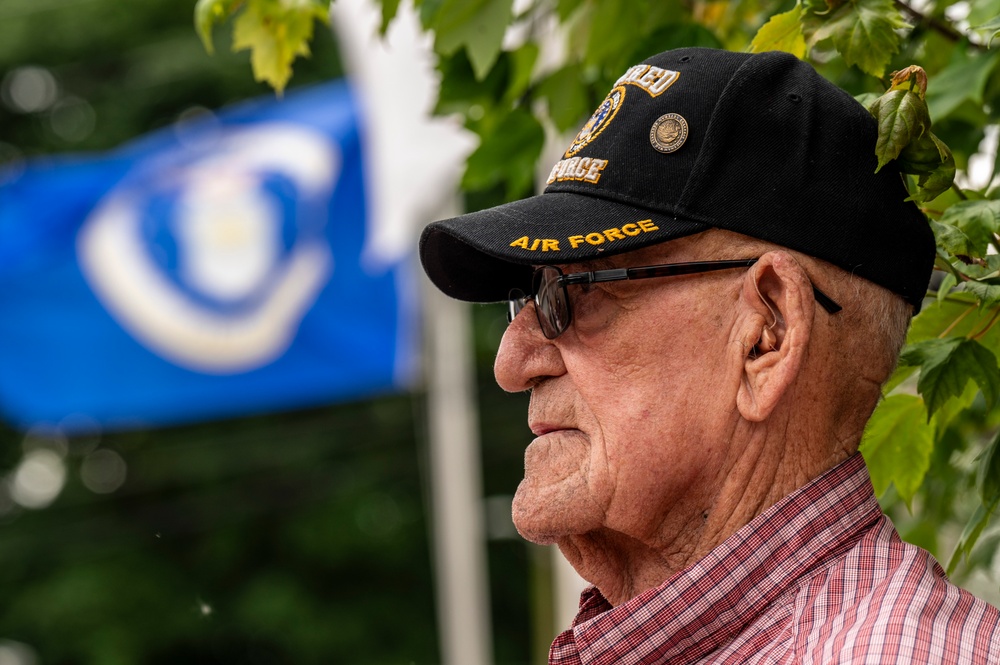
(622, 403)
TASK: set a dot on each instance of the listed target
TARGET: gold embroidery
(591, 238)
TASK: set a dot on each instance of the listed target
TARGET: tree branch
(936, 25)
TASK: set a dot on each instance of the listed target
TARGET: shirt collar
(705, 605)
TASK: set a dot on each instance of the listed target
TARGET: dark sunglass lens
(550, 297)
(516, 301)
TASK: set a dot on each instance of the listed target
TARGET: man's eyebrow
(604, 264)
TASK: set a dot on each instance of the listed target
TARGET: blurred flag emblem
(211, 269)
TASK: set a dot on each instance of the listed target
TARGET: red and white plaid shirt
(820, 577)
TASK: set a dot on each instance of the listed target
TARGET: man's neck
(623, 566)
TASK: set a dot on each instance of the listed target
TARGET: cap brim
(481, 256)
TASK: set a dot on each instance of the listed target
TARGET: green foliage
(976, 221)
(971, 533)
(963, 79)
(862, 31)
(904, 135)
(286, 538)
(992, 27)
(932, 162)
(897, 445)
(207, 13)
(988, 486)
(128, 73)
(988, 473)
(274, 31)
(477, 26)
(565, 96)
(988, 294)
(782, 32)
(947, 365)
(902, 118)
(507, 154)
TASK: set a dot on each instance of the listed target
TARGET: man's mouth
(541, 429)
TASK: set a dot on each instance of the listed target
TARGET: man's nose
(525, 355)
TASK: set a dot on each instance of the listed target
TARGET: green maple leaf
(783, 32)
(977, 220)
(933, 320)
(897, 445)
(925, 155)
(937, 178)
(276, 32)
(902, 118)
(950, 238)
(476, 25)
(947, 365)
(507, 153)
(904, 123)
(863, 31)
(988, 294)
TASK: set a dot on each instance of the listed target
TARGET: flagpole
(456, 484)
(413, 166)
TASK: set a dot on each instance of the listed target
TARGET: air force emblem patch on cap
(669, 132)
(602, 117)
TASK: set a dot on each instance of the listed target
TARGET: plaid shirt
(820, 577)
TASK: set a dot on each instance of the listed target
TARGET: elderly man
(704, 304)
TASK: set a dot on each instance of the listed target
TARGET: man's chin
(546, 517)
(536, 537)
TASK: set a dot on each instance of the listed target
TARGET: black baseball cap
(693, 139)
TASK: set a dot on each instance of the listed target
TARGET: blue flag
(212, 269)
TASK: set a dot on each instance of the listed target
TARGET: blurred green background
(283, 538)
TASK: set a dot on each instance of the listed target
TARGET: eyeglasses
(552, 301)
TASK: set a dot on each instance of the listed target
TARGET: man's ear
(778, 300)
